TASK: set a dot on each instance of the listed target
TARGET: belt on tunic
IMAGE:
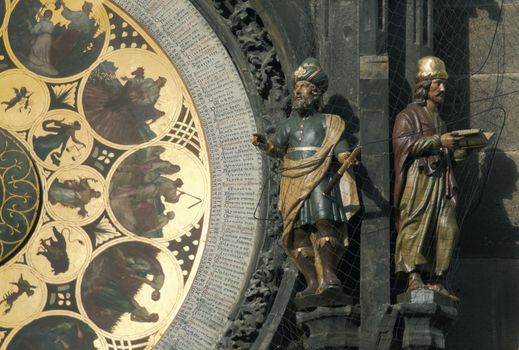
(302, 149)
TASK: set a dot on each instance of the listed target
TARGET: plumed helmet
(429, 68)
(310, 70)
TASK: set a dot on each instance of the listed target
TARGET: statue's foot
(309, 290)
(414, 281)
(438, 287)
(332, 282)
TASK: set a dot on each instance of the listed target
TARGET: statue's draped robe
(306, 172)
(424, 193)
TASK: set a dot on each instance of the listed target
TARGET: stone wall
(486, 275)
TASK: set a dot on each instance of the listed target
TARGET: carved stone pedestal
(331, 297)
(428, 315)
(330, 327)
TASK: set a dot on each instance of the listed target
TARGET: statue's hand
(260, 141)
(343, 157)
(450, 141)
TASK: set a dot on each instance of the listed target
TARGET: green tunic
(296, 133)
(427, 220)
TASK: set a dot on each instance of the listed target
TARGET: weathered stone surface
(482, 35)
(331, 327)
(488, 93)
(424, 296)
(428, 316)
(330, 297)
(490, 30)
(492, 229)
(294, 39)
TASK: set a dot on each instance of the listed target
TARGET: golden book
(473, 138)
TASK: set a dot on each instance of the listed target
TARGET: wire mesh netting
(477, 41)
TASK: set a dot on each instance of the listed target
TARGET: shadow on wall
(492, 229)
(487, 318)
(485, 276)
(339, 105)
(488, 229)
(465, 51)
(348, 268)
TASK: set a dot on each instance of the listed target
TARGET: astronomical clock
(108, 188)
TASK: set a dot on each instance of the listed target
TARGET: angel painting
(41, 44)
(56, 39)
(21, 98)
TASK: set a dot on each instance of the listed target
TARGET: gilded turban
(310, 70)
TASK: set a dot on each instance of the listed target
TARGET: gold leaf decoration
(105, 231)
(66, 93)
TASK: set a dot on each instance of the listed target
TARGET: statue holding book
(425, 187)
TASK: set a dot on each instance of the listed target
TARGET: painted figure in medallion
(113, 280)
(81, 25)
(56, 41)
(425, 188)
(75, 194)
(122, 113)
(54, 143)
(309, 141)
(138, 189)
(39, 55)
(23, 287)
(54, 249)
(22, 97)
(56, 333)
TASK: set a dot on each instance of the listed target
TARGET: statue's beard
(438, 98)
(302, 103)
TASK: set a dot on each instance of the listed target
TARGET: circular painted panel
(23, 295)
(23, 99)
(130, 289)
(163, 176)
(56, 331)
(129, 102)
(57, 40)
